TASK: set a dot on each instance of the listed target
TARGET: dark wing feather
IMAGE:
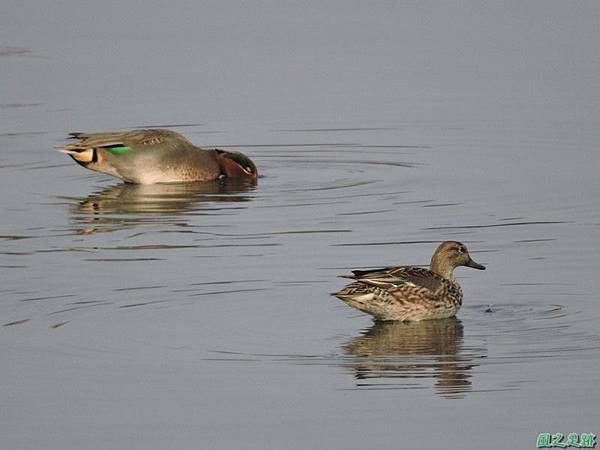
(371, 272)
(392, 277)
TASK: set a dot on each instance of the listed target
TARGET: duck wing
(123, 141)
(393, 278)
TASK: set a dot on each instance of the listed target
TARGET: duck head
(236, 165)
(451, 254)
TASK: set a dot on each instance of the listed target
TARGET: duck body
(408, 292)
(155, 156)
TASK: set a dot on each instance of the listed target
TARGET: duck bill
(474, 265)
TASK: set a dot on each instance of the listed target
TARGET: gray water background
(199, 316)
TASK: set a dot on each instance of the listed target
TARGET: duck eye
(461, 250)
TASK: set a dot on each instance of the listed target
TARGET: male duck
(155, 156)
(408, 292)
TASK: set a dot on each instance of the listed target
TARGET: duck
(155, 156)
(411, 293)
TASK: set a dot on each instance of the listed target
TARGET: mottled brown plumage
(408, 292)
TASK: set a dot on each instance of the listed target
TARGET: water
(199, 316)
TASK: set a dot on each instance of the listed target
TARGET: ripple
(527, 332)
(138, 288)
(320, 130)
(135, 305)
(6, 50)
(228, 291)
(16, 322)
(494, 225)
(13, 237)
(360, 244)
(50, 297)
(80, 306)
(177, 125)
(337, 185)
(18, 105)
(122, 259)
(358, 213)
(359, 162)
(20, 134)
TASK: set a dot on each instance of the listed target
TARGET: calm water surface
(199, 315)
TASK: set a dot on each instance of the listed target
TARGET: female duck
(155, 156)
(408, 292)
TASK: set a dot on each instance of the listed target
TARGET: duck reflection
(411, 351)
(124, 205)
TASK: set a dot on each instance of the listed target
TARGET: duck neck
(442, 267)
